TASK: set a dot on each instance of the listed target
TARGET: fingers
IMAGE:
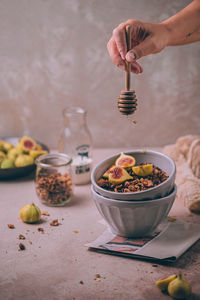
(144, 48)
(114, 54)
(120, 39)
(118, 61)
(136, 68)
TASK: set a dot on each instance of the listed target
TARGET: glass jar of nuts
(53, 179)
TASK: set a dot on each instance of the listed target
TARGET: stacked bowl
(136, 214)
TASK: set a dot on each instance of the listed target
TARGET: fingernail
(132, 55)
(122, 55)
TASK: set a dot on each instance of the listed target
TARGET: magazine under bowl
(148, 156)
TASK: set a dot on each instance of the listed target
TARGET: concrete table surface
(57, 265)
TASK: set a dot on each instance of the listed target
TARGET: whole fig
(163, 283)
(30, 213)
(24, 160)
(7, 163)
(179, 288)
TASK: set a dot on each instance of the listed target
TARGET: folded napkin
(186, 154)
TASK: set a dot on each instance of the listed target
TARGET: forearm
(184, 27)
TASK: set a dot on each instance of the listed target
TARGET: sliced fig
(125, 161)
(143, 170)
(27, 144)
(118, 175)
(106, 174)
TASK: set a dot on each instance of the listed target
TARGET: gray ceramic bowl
(133, 218)
(156, 158)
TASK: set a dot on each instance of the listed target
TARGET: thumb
(144, 48)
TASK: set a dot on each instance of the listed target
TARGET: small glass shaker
(53, 180)
(75, 140)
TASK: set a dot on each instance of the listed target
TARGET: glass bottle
(75, 140)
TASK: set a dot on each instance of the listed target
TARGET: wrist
(167, 30)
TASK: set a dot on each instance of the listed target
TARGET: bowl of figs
(134, 191)
(18, 155)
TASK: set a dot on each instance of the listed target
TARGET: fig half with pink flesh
(118, 175)
(125, 161)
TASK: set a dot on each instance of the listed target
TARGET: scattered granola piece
(154, 265)
(135, 122)
(171, 219)
(21, 237)
(54, 222)
(81, 282)
(45, 213)
(30, 243)
(97, 277)
(11, 226)
(21, 247)
(190, 215)
(75, 231)
(40, 229)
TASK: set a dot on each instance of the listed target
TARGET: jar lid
(53, 160)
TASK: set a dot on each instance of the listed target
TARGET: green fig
(179, 288)
(163, 283)
(24, 160)
(13, 153)
(118, 175)
(125, 161)
(6, 146)
(2, 154)
(7, 163)
(1, 145)
(36, 153)
(30, 213)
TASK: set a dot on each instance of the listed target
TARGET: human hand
(146, 38)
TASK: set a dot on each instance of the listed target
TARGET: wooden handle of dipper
(128, 65)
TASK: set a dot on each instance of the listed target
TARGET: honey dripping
(132, 121)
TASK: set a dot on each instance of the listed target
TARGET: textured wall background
(53, 54)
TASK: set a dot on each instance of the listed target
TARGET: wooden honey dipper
(127, 101)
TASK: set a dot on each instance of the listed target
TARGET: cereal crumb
(81, 282)
(54, 223)
(45, 213)
(30, 243)
(190, 215)
(154, 265)
(21, 237)
(11, 226)
(135, 122)
(21, 247)
(97, 277)
(171, 219)
(75, 231)
(40, 229)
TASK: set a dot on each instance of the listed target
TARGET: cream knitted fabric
(186, 154)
